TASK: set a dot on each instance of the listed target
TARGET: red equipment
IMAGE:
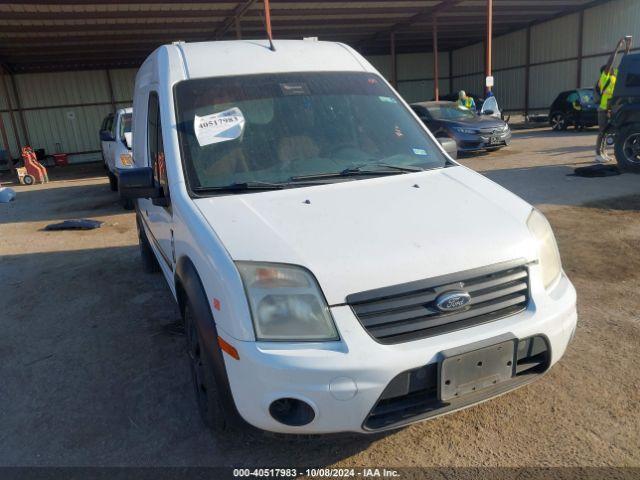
(61, 159)
(34, 168)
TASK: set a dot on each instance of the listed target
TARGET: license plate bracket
(469, 372)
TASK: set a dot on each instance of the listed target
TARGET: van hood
(364, 234)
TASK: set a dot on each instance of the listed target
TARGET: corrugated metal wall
(605, 24)
(415, 73)
(468, 60)
(63, 111)
(554, 50)
(472, 84)
(546, 81)
(555, 40)
(509, 50)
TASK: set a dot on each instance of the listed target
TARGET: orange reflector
(228, 349)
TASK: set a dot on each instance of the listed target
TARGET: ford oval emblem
(451, 301)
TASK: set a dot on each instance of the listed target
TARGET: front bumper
(343, 381)
(120, 168)
(477, 142)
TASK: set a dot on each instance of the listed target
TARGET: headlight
(548, 253)
(286, 303)
(465, 130)
(126, 160)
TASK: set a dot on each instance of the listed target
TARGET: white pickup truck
(335, 268)
(115, 142)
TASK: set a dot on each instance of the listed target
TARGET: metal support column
(450, 71)
(394, 60)
(436, 63)
(527, 68)
(23, 124)
(14, 126)
(238, 28)
(267, 22)
(488, 42)
(112, 98)
(580, 47)
(7, 147)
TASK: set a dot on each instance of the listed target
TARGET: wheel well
(180, 295)
(185, 269)
(189, 286)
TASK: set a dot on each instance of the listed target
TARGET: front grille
(406, 312)
(413, 395)
(494, 130)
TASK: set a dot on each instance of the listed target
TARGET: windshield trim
(400, 101)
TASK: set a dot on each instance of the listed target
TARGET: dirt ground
(92, 371)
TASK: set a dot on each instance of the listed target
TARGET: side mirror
(450, 146)
(128, 140)
(105, 136)
(137, 183)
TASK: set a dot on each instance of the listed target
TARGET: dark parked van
(573, 107)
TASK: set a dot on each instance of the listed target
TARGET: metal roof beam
(384, 9)
(230, 21)
(421, 14)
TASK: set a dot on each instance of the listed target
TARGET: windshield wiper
(242, 186)
(402, 168)
(361, 170)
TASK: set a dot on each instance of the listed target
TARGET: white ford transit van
(115, 141)
(336, 269)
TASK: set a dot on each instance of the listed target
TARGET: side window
(155, 144)
(573, 96)
(108, 122)
(112, 126)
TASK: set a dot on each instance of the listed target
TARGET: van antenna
(267, 21)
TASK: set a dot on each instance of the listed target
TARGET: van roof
(246, 57)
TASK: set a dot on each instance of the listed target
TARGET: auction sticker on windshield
(219, 127)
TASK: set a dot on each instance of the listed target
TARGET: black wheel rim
(197, 367)
(631, 148)
(557, 122)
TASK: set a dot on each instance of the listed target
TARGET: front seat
(297, 147)
(231, 162)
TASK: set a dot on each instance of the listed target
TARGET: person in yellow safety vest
(605, 87)
(465, 101)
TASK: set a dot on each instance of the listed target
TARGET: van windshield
(125, 124)
(278, 128)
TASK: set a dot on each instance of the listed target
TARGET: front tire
(204, 384)
(127, 204)
(558, 122)
(627, 148)
(113, 182)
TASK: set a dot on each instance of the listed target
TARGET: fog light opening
(292, 412)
